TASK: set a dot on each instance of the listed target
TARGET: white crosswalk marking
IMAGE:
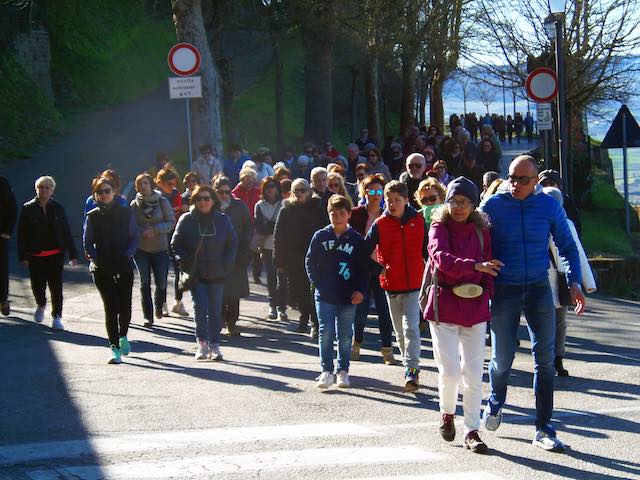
(442, 476)
(280, 459)
(172, 440)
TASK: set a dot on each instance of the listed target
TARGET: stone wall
(33, 51)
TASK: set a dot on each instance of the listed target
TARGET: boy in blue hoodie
(336, 266)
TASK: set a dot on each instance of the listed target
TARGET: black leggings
(43, 271)
(4, 269)
(116, 296)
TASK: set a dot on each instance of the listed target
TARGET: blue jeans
(537, 303)
(334, 318)
(382, 309)
(207, 307)
(276, 282)
(158, 263)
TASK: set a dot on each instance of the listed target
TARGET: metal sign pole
(625, 174)
(545, 140)
(186, 100)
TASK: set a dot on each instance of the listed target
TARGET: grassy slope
(27, 115)
(603, 227)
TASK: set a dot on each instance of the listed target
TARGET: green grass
(603, 231)
(26, 114)
(107, 51)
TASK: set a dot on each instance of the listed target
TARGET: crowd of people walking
(425, 228)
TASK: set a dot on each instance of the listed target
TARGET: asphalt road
(67, 414)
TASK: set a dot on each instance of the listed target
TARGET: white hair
(46, 179)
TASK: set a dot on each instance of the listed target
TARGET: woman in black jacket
(110, 241)
(300, 217)
(43, 237)
(236, 284)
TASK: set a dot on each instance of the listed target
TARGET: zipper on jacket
(404, 255)
(524, 244)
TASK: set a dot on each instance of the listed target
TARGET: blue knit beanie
(463, 186)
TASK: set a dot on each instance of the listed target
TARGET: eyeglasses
(415, 165)
(459, 204)
(521, 180)
(377, 191)
(104, 191)
(203, 199)
(373, 155)
(429, 199)
(223, 192)
(439, 167)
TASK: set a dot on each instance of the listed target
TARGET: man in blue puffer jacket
(521, 221)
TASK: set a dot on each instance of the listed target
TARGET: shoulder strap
(194, 265)
(481, 238)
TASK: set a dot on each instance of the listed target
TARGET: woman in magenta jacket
(462, 275)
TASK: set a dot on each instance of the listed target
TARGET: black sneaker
(5, 309)
(448, 427)
(560, 370)
(473, 442)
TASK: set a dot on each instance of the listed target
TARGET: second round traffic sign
(184, 59)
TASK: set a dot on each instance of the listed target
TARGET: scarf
(148, 203)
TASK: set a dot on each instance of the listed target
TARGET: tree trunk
(279, 93)
(371, 94)
(436, 105)
(354, 105)
(383, 95)
(226, 87)
(408, 92)
(205, 112)
(318, 89)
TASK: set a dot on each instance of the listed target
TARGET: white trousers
(459, 352)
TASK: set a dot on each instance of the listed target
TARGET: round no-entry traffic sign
(542, 85)
(184, 59)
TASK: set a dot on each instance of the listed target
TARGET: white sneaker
(491, 422)
(57, 323)
(165, 310)
(325, 380)
(178, 309)
(343, 379)
(548, 442)
(38, 315)
(214, 352)
(203, 350)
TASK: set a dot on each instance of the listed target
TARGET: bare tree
(486, 93)
(205, 112)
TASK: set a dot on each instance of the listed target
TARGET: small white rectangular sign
(544, 117)
(185, 87)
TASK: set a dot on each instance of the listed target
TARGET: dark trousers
(116, 297)
(43, 271)
(230, 310)
(4, 269)
(257, 265)
(176, 279)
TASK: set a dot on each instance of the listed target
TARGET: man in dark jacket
(551, 178)
(8, 214)
(416, 166)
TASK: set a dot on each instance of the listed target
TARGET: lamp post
(554, 26)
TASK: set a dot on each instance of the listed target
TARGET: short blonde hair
(46, 179)
(433, 184)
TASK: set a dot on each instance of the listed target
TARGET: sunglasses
(104, 191)
(203, 199)
(375, 192)
(439, 167)
(520, 180)
(373, 155)
(429, 199)
(223, 192)
(458, 204)
(415, 165)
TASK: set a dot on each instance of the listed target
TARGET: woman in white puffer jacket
(556, 268)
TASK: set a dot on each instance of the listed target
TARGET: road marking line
(442, 476)
(168, 440)
(271, 460)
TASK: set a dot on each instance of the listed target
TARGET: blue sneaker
(125, 346)
(492, 416)
(411, 379)
(115, 357)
